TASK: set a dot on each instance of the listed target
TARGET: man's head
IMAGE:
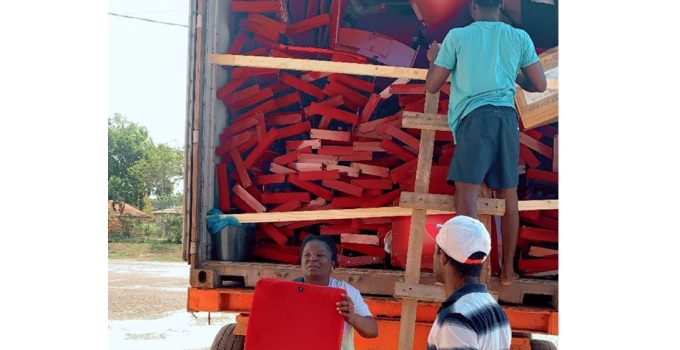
(318, 256)
(485, 10)
(462, 245)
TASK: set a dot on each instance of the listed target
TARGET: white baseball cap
(462, 236)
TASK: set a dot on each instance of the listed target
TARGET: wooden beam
(318, 66)
(415, 241)
(193, 119)
(371, 169)
(280, 169)
(485, 193)
(545, 204)
(552, 84)
(331, 214)
(538, 252)
(332, 135)
(310, 187)
(398, 151)
(348, 170)
(291, 156)
(542, 175)
(308, 24)
(299, 144)
(425, 121)
(535, 145)
(403, 136)
(343, 187)
(381, 282)
(419, 291)
(317, 158)
(486, 206)
(360, 213)
(359, 239)
(352, 261)
(249, 199)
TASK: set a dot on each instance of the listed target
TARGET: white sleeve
(360, 307)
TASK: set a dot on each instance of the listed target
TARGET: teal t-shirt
(484, 58)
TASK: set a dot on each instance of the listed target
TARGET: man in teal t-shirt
(485, 59)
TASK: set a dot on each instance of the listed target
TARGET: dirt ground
(147, 308)
(146, 290)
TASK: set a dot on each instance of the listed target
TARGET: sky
(147, 66)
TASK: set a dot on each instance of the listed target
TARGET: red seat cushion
(292, 315)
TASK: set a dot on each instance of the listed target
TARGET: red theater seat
(287, 315)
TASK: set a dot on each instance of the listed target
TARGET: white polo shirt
(470, 319)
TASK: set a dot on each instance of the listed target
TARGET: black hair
(466, 270)
(330, 244)
(488, 3)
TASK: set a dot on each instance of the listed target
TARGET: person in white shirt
(318, 258)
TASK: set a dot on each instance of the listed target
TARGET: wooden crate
(536, 109)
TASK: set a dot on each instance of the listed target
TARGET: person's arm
(365, 325)
(441, 64)
(436, 77)
(531, 78)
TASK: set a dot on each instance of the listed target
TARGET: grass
(148, 251)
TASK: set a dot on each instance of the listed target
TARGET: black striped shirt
(470, 319)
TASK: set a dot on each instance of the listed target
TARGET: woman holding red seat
(318, 258)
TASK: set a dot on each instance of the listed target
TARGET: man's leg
(472, 159)
(466, 204)
(510, 231)
(466, 199)
(504, 178)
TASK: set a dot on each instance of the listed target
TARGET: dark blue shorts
(487, 148)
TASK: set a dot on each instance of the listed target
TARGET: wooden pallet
(220, 274)
(524, 287)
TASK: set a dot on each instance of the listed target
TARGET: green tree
(148, 205)
(172, 228)
(175, 200)
(160, 170)
(128, 143)
(138, 168)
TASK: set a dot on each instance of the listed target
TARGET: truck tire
(537, 344)
(226, 340)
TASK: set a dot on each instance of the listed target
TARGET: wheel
(226, 340)
(537, 344)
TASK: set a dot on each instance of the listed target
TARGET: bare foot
(509, 280)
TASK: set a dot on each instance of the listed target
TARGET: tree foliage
(137, 167)
(159, 170)
(171, 226)
(168, 201)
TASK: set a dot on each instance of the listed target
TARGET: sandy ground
(147, 308)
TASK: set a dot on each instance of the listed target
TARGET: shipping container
(231, 42)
